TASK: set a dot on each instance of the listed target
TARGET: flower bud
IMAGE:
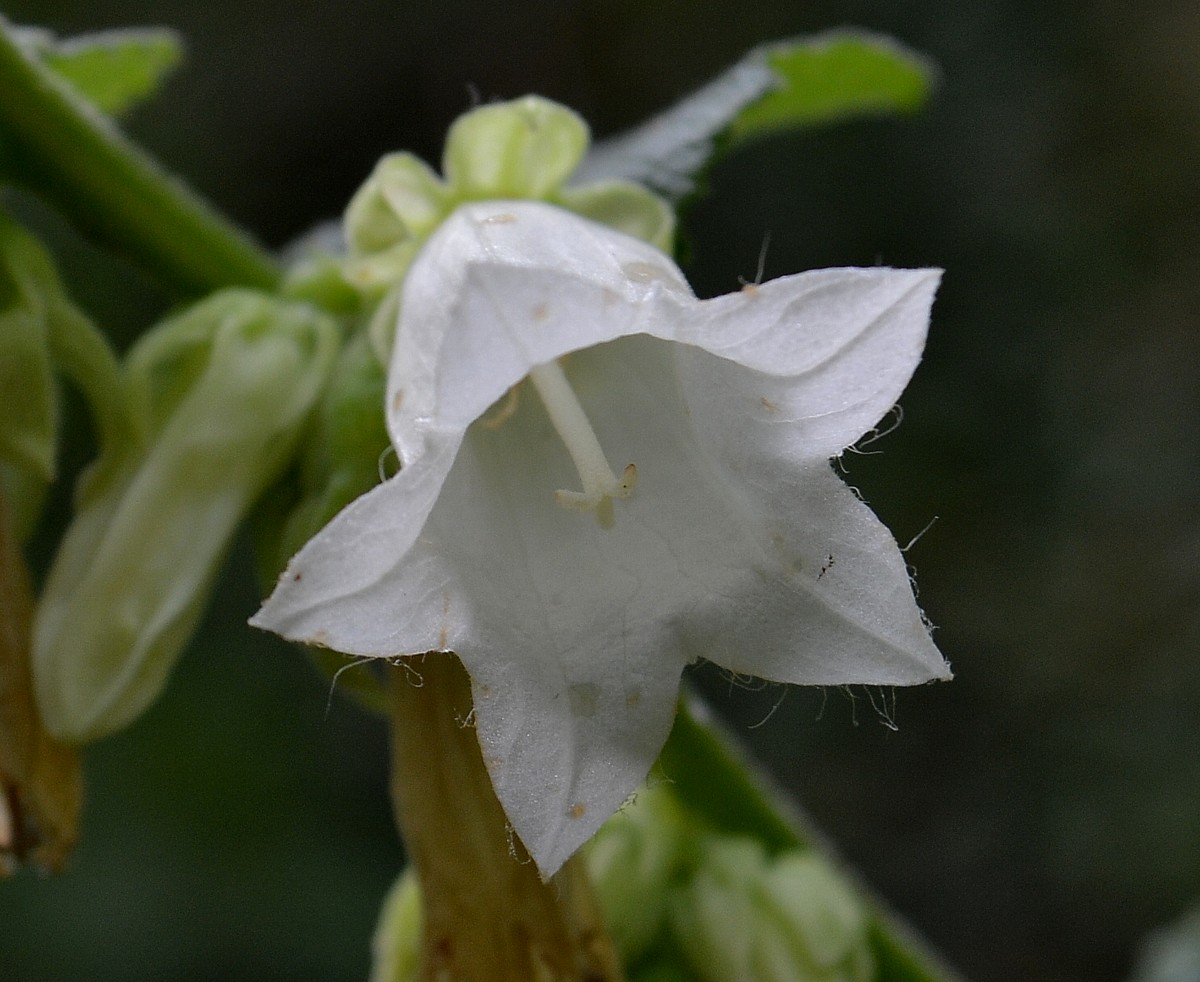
(396, 945)
(633, 861)
(220, 394)
(525, 148)
(389, 217)
(747, 918)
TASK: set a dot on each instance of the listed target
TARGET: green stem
(63, 149)
(713, 778)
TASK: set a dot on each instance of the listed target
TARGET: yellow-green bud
(220, 395)
(389, 217)
(396, 946)
(525, 148)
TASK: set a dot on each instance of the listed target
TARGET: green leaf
(833, 77)
(790, 84)
(114, 69)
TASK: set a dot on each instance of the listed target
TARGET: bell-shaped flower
(603, 479)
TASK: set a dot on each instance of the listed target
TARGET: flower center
(600, 484)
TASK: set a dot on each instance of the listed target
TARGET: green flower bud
(745, 918)
(396, 946)
(525, 148)
(634, 860)
(389, 217)
(220, 394)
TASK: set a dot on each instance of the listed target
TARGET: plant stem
(41, 783)
(488, 916)
(63, 149)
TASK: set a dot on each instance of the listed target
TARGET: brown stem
(488, 917)
(41, 783)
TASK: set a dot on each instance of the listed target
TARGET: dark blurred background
(1034, 818)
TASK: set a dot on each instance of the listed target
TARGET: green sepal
(525, 148)
(627, 207)
(389, 218)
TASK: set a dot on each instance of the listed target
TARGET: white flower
(697, 432)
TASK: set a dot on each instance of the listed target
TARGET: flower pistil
(600, 484)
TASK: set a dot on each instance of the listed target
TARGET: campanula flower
(603, 479)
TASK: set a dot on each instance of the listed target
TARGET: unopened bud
(220, 395)
(747, 918)
(633, 861)
(525, 148)
(396, 945)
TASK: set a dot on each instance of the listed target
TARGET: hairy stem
(66, 151)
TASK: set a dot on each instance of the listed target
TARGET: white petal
(340, 591)
(826, 354)
(575, 635)
(833, 604)
(503, 286)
